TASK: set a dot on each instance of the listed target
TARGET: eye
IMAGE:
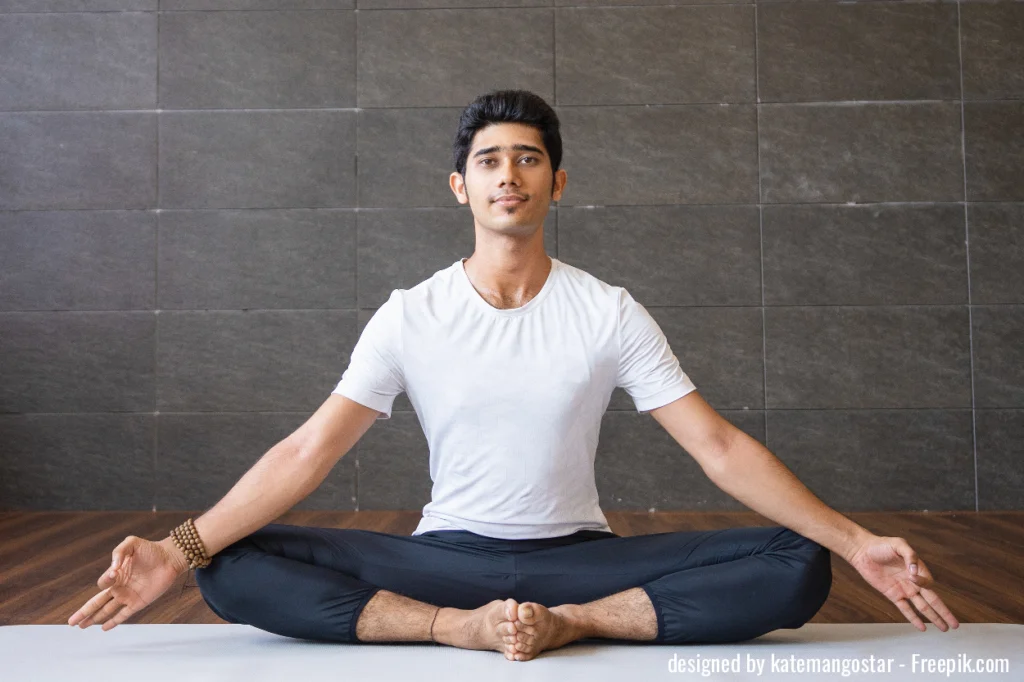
(486, 161)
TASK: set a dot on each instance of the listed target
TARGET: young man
(509, 358)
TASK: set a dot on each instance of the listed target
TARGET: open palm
(890, 566)
(144, 571)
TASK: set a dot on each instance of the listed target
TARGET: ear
(560, 179)
(458, 187)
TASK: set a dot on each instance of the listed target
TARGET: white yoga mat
(198, 653)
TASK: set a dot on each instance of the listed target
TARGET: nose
(509, 173)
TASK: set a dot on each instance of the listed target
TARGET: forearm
(275, 484)
(749, 472)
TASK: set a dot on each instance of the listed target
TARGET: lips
(509, 199)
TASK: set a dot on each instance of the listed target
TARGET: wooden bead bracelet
(187, 539)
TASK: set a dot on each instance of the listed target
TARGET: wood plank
(50, 561)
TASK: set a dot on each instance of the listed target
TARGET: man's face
(508, 159)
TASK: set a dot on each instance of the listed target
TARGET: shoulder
(438, 287)
(582, 284)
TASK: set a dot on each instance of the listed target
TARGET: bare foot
(487, 627)
(540, 628)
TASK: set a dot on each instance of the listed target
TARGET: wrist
(178, 558)
(858, 538)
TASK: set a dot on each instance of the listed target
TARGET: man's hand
(140, 572)
(894, 569)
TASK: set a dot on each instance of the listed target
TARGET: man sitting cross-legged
(509, 359)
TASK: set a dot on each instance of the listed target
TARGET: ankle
(576, 616)
(433, 622)
(446, 624)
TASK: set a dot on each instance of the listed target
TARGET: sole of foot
(539, 628)
(485, 628)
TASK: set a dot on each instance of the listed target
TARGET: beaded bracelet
(187, 539)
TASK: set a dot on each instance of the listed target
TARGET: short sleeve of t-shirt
(374, 376)
(648, 369)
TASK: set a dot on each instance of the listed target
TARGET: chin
(516, 229)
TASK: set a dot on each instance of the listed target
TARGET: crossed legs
(518, 597)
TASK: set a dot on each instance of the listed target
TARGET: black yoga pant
(706, 586)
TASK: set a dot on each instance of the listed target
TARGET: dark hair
(507, 106)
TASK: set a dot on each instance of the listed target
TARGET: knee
(818, 576)
(210, 580)
(813, 559)
(220, 585)
(812, 579)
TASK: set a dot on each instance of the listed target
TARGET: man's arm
(285, 475)
(749, 472)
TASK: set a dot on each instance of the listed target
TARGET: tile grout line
(967, 255)
(620, 105)
(580, 207)
(873, 306)
(394, 9)
(156, 283)
(355, 251)
(411, 411)
(760, 232)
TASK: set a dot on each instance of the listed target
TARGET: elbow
(719, 452)
(306, 458)
(715, 468)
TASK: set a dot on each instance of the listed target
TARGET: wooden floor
(50, 561)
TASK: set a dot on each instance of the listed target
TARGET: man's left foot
(539, 628)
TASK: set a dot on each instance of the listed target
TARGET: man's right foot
(490, 627)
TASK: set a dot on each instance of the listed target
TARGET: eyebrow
(516, 147)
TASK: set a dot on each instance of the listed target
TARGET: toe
(527, 613)
(510, 609)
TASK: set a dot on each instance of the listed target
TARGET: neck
(508, 278)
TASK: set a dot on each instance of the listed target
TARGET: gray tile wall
(202, 202)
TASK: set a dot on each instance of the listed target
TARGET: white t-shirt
(511, 400)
